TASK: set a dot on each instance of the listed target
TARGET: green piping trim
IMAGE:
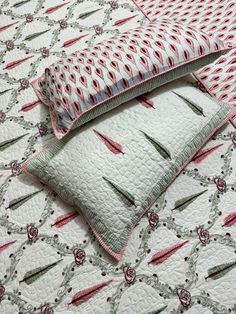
(116, 243)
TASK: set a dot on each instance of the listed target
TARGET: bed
(37, 227)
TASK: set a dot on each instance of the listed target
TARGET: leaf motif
(10, 142)
(19, 4)
(146, 102)
(193, 106)
(13, 64)
(6, 245)
(158, 310)
(84, 295)
(204, 153)
(17, 202)
(87, 14)
(162, 255)
(219, 271)
(36, 273)
(124, 21)
(3, 28)
(182, 203)
(163, 151)
(121, 192)
(29, 106)
(64, 219)
(5, 91)
(113, 146)
(55, 8)
(35, 35)
(72, 41)
(230, 220)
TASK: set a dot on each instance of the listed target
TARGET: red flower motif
(153, 219)
(63, 24)
(15, 167)
(233, 137)
(220, 184)
(29, 18)
(114, 4)
(130, 274)
(24, 83)
(32, 232)
(43, 129)
(204, 235)
(9, 45)
(46, 309)
(2, 291)
(184, 297)
(79, 255)
(2, 116)
(98, 29)
(44, 52)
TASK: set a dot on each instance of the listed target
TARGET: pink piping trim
(60, 135)
(37, 92)
(187, 162)
(118, 256)
(27, 162)
(104, 245)
(195, 75)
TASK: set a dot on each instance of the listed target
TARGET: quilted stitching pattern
(138, 286)
(120, 159)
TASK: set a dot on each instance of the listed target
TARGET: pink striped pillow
(88, 83)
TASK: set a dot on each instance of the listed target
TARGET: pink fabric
(216, 18)
(84, 80)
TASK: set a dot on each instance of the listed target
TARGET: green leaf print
(219, 271)
(193, 106)
(87, 14)
(121, 192)
(35, 35)
(10, 142)
(17, 202)
(163, 151)
(32, 275)
(182, 203)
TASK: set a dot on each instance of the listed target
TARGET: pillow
(88, 83)
(113, 168)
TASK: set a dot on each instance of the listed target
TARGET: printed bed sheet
(181, 256)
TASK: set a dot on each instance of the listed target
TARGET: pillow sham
(113, 168)
(86, 84)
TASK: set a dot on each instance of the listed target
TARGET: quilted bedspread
(49, 260)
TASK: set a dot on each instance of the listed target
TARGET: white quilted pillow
(115, 167)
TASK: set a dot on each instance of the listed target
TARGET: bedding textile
(88, 83)
(216, 18)
(47, 252)
(115, 167)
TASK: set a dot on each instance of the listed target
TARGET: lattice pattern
(47, 254)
